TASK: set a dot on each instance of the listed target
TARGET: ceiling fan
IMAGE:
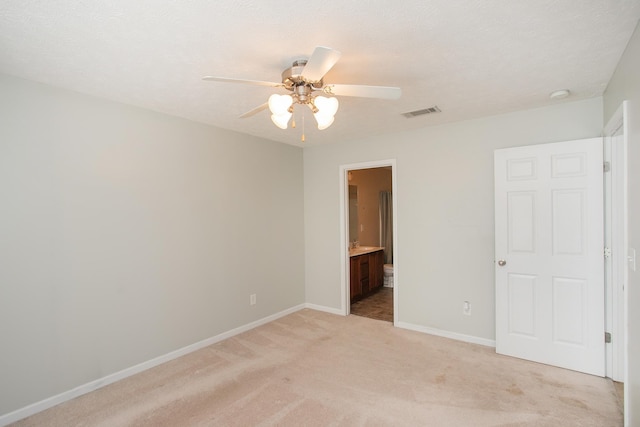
(303, 79)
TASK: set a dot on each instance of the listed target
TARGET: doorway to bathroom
(368, 233)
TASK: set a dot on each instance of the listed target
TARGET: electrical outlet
(466, 308)
(252, 299)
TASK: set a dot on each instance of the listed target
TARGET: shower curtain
(386, 225)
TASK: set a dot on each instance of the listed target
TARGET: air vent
(422, 112)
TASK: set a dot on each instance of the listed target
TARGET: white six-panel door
(549, 254)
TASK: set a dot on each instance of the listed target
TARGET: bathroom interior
(371, 243)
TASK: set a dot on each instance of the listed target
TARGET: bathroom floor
(377, 306)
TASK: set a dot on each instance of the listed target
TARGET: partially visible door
(549, 254)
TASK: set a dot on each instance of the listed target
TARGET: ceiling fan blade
(250, 82)
(321, 61)
(382, 92)
(255, 111)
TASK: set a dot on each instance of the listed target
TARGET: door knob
(502, 262)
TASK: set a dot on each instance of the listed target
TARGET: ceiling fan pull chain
(302, 139)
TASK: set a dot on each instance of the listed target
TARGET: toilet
(388, 275)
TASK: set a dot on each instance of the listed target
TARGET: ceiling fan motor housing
(292, 77)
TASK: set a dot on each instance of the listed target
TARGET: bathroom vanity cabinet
(366, 274)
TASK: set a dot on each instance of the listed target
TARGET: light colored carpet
(317, 369)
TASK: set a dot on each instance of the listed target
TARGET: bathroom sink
(363, 249)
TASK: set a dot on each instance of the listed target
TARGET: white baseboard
(117, 376)
(326, 309)
(447, 334)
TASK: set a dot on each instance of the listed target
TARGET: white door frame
(616, 227)
(344, 234)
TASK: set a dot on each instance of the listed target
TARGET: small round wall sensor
(559, 94)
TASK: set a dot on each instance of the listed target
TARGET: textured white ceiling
(471, 58)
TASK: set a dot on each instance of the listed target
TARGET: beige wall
(370, 183)
(127, 234)
(445, 211)
(625, 85)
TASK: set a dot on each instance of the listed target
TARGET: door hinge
(607, 337)
(607, 252)
(606, 167)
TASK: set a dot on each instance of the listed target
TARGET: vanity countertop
(361, 250)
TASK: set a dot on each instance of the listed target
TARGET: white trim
(326, 309)
(616, 226)
(608, 275)
(345, 307)
(127, 372)
(344, 235)
(447, 334)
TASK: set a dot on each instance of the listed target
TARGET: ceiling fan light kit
(323, 108)
(281, 120)
(280, 106)
(326, 110)
(304, 78)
